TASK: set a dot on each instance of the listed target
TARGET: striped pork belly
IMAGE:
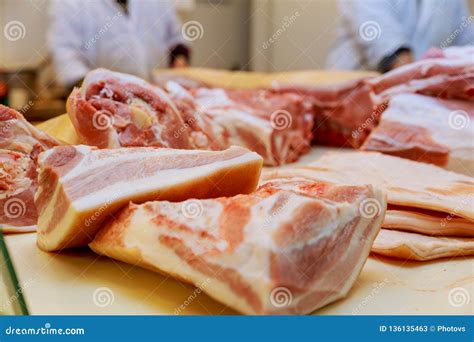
(276, 126)
(290, 247)
(18, 184)
(80, 186)
(113, 110)
(427, 129)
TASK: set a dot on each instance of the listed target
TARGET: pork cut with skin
(445, 198)
(412, 246)
(20, 145)
(290, 247)
(276, 126)
(18, 185)
(17, 134)
(113, 110)
(80, 186)
(427, 129)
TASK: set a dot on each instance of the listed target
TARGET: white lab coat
(370, 30)
(89, 34)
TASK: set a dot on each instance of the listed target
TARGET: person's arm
(179, 52)
(466, 21)
(377, 31)
(65, 42)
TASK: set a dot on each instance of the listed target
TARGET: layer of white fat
(143, 234)
(132, 185)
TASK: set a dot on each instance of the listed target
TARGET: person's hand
(180, 62)
(404, 57)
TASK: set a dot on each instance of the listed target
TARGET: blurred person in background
(133, 36)
(383, 35)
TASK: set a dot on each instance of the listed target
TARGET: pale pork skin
(81, 186)
(290, 247)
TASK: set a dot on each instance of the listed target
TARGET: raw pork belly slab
(427, 222)
(18, 184)
(427, 129)
(440, 77)
(419, 247)
(407, 183)
(291, 247)
(276, 126)
(344, 113)
(80, 186)
(17, 134)
(113, 110)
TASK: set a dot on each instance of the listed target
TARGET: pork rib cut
(290, 247)
(427, 129)
(80, 186)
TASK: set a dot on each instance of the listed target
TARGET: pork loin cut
(427, 129)
(276, 126)
(291, 247)
(80, 186)
(408, 183)
(18, 185)
(113, 110)
(412, 246)
(17, 134)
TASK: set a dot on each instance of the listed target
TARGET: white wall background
(234, 31)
